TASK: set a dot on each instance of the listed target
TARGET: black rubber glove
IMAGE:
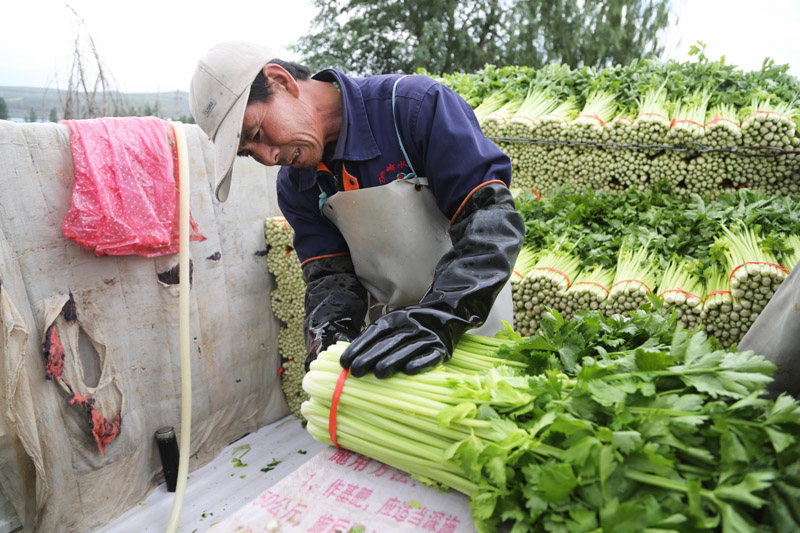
(335, 304)
(487, 235)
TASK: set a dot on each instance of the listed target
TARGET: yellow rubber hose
(186, 368)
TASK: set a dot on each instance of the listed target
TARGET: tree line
(364, 37)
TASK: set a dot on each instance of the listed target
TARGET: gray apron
(397, 235)
(776, 335)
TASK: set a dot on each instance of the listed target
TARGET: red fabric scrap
(86, 403)
(125, 193)
(103, 429)
(54, 353)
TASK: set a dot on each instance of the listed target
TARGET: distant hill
(20, 101)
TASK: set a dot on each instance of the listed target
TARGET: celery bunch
(544, 286)
(287, 305)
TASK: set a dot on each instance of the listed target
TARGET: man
(398, 202)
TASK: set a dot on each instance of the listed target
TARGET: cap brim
(226, 145)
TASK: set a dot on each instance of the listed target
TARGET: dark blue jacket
(441, 136)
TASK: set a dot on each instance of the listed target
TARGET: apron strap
(413, 173)
(323, 197)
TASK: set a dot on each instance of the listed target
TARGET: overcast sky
(153, 45)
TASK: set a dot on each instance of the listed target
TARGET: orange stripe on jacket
(350, 182)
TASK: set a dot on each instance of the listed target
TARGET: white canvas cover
(338, 490)
(122, 346)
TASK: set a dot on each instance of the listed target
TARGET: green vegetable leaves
(242, 450)
(655, 426)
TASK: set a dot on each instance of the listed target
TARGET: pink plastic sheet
(125, 193)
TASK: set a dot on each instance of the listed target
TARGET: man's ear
(279, 75)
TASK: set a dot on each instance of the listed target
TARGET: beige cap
(218, 96)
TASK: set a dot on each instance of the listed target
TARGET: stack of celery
(623, 423)
(716, 264)
(287, 305)
(704, 126)
(723, 299)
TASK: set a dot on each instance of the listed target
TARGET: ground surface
(224, 485)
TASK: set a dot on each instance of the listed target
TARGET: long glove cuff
(335, 303)
(487, 235)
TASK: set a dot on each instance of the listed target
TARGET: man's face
(283, 131)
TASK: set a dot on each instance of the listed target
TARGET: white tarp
(339, 490)
(122, 347)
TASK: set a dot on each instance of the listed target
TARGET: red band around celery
(597, 118)
(687, 293)
(335, 404)
(536, 193)
(768, 113)
(592, 283)
(676, 121)
(526, 118)
(556, 271)
(565, 119)
(634, 280)
(755, 263)
(721, 119)
(282, 221)
(653, 115)
(710, 294)
(501, 117)
(518, 274)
